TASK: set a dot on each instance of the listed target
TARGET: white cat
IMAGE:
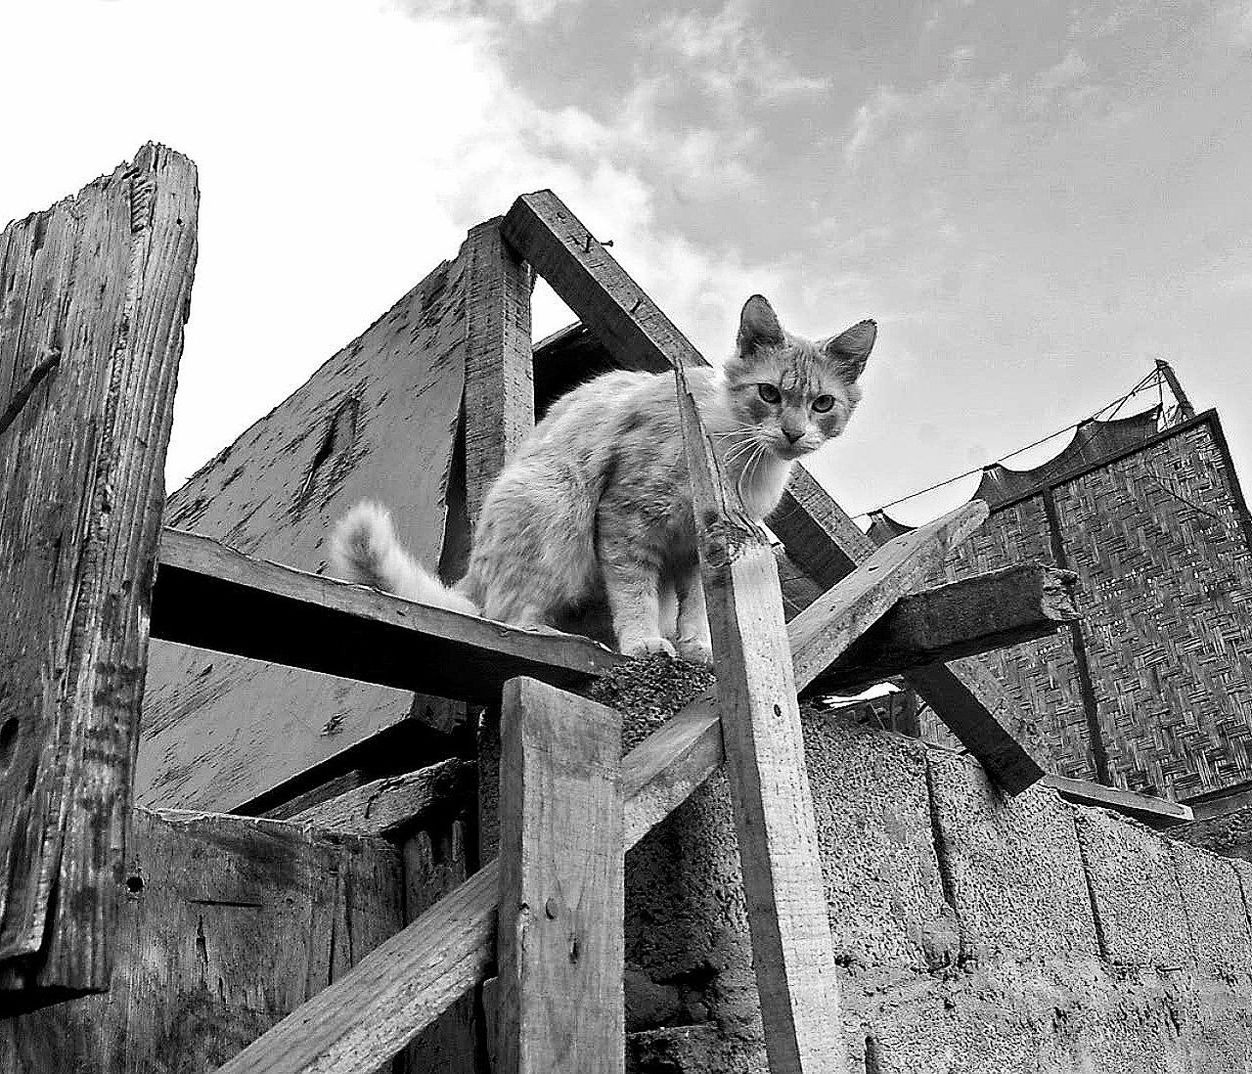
(596, 503)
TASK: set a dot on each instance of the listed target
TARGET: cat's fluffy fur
(596, 502)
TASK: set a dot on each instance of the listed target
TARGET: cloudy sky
(1034, 201)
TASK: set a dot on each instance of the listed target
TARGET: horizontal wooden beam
(387, 807)
(975, 615)
(211, 596)
(1155, 812)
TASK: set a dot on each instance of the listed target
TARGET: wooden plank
(378, 420)
(823, 631)
(975, 615)
(792, 954)
(95, 294)
(588, 280)
(499, 383)
(818, 535)
(560, 1006)
(226, 925)
(982, 714)
(386, 807)
(403, 986)
(213, 597)
(436, 862)
(1156, 812)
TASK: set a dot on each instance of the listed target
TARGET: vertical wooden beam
(499, 411)
(499, 381)
(94, 293)
(792, 952)
(561, 947)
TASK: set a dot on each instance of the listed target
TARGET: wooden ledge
(213, 597)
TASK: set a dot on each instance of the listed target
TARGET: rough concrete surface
(1012, 864)
(963, 924)
(1135, 892)
(1217, 916)
(883, 888)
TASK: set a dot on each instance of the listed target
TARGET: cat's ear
(849, 350)
(758, 326)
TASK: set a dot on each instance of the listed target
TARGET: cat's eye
(769, 393)
(823, 403)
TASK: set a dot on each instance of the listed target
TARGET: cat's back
(620, 402)
(599, 400)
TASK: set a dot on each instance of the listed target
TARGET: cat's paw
(695, 651)
(647, 647)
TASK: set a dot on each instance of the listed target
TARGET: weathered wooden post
(562, 887)
(94, 293)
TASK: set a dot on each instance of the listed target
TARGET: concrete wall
(972, 932)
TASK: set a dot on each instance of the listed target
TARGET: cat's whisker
(741, 449)
(746, 472)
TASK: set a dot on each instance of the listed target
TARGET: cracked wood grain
(561, 950)
(94, 293)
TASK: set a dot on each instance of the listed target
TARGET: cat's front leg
(631, 582)
(694, 641)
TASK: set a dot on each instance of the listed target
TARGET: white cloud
(949, 110)
(1240, 283)
(1234, 22)
(344, 149)
(1063, 86)
(726, 55)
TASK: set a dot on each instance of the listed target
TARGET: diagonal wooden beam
(826, 628)
(824, 542)
(792, 954)
(389, 806)
(975, 706)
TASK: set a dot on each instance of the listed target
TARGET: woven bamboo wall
(1159, 537)
(1043, 674)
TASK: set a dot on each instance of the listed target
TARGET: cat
(595, 503)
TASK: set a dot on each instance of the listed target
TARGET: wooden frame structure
(545, 916)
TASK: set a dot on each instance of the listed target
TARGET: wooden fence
(543, 920)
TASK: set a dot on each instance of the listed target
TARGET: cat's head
(788, 394)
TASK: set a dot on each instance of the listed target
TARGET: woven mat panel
(1040, 674)
(1163, 560)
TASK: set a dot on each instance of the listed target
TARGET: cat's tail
(364, 548)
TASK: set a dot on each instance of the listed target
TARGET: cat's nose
(792, 437)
